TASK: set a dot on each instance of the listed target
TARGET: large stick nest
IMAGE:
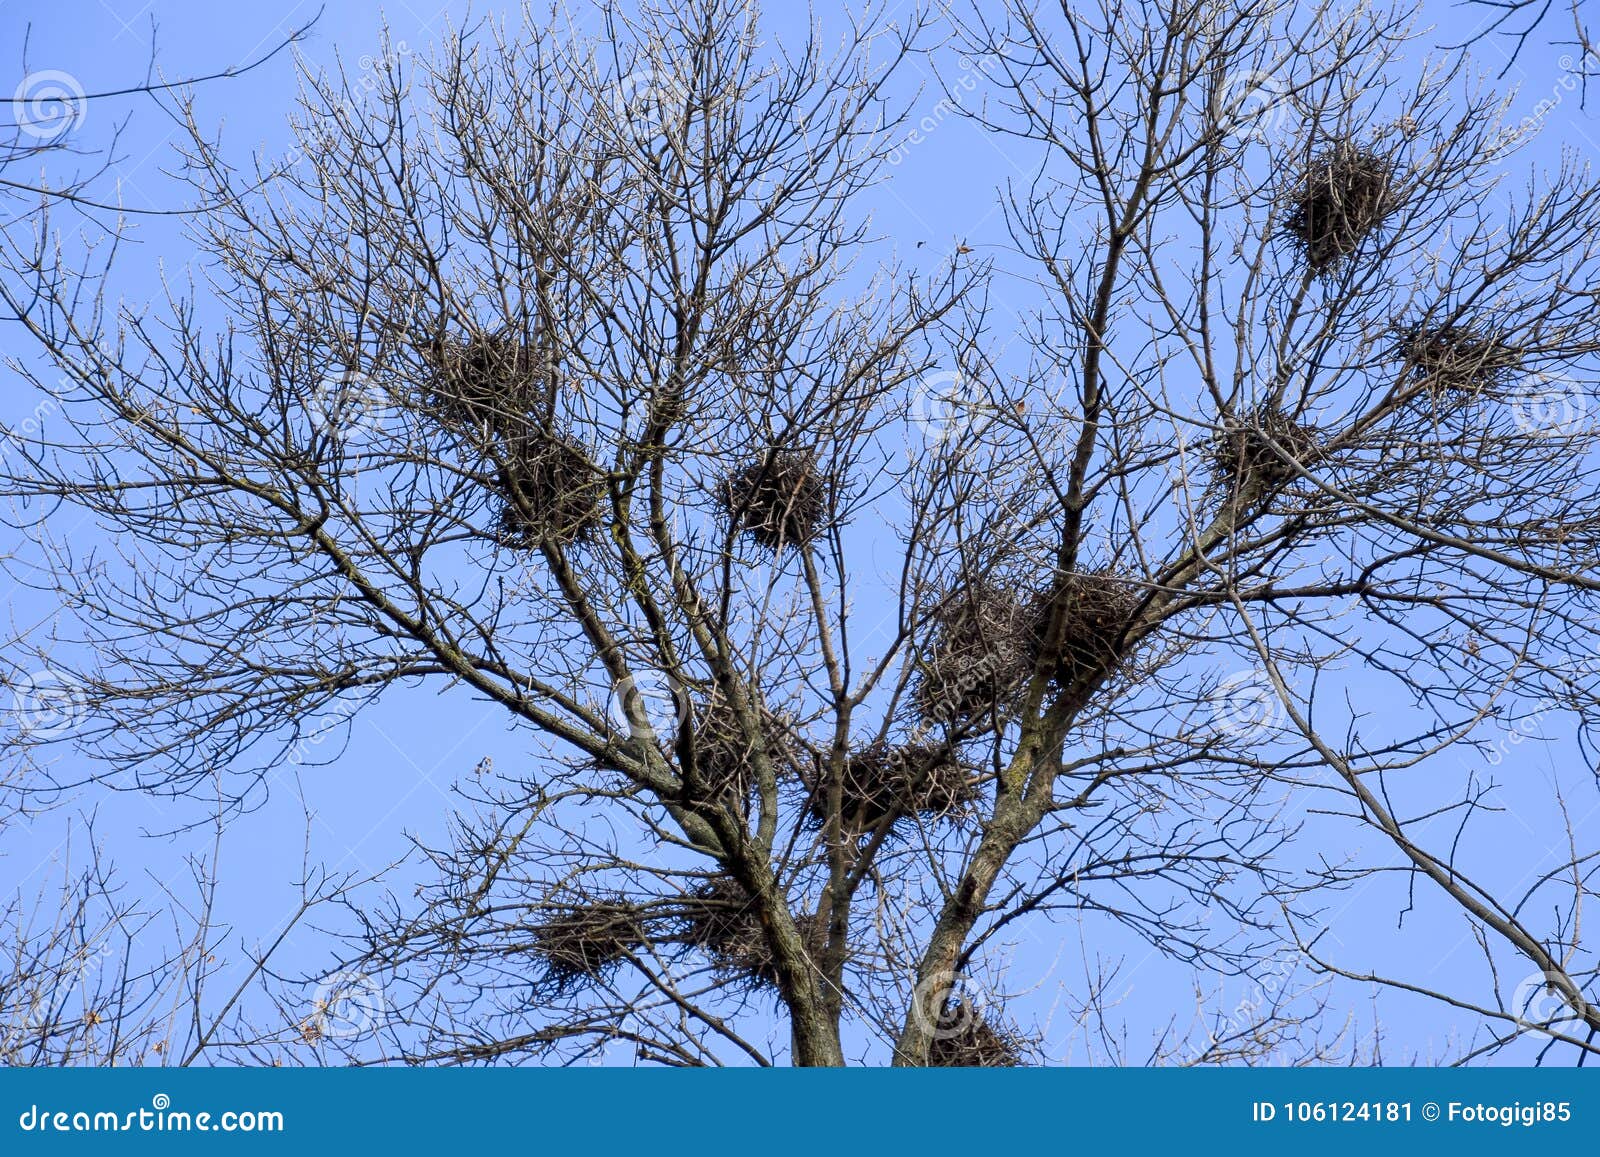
(1259, 450)
(1091, 611)
(583, 942)
(965, 1038)
(720, 919)
(1456, 356)
(486, 383)
(550, 491)
(778, 500)
(1343, 195)
(494, 391)
(976, 654)
(881, 780)
(725, 756)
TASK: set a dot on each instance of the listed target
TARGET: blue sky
(405, 753)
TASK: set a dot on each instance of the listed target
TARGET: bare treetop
(852, 636)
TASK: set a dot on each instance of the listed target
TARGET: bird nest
(550, 491)
(778, 500)
(976, 655)
(1455, 357)
(720, 919)
(965, 1038)
(1092, 610)
(881, 781)
(1261, 449)
(1341, 197)
(487, 382)
(725, 756)
(585, 942)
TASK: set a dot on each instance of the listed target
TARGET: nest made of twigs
(1094, 609)
(976, 655)
(1344, 193)
(966, 1038)
(486, 382)
(725, 755)
(550, 491)
(882, 780)
(720, 919)
(581, 942)
(778, 500)
(1455, 356)
(1259, 450)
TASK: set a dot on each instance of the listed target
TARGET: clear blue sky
(404, 754)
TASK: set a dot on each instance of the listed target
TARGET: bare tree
(556, 374)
